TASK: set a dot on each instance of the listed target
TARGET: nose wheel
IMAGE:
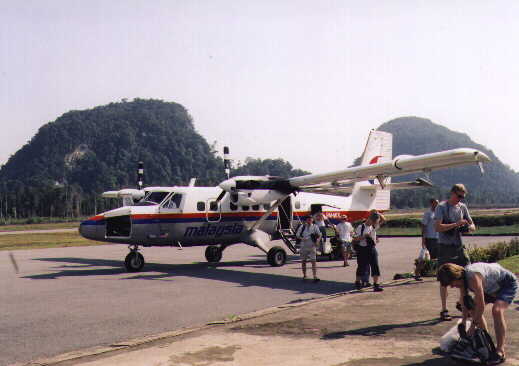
(134, 261)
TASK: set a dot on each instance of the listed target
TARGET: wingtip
(482, 157)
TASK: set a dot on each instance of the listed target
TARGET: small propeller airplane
(255, 210)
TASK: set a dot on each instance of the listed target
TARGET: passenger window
(213, 206)
(297, 205)
(200, 206)
(255, 207)
(266, 206)
(245, 208)
(233, 206)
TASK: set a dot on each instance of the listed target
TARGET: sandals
(444, 315)
(496, 359)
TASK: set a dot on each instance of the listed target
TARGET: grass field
(413, 231)
(50, 226)
(51, 240)
(511, 263)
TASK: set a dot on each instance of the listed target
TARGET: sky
(301, 80)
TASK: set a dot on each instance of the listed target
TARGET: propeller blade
(221, 196)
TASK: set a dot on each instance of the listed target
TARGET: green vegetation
(494, 252)
(49, 226)
(413, 135)
(506, 253)
(69, 162)
(415, 231)
(38, 241)
(512, 263)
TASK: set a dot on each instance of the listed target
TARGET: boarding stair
(289, 238)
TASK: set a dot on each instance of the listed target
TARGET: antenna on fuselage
(140, 175)
(226, 161)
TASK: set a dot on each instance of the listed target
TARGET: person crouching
(490, 283)
(310, 235)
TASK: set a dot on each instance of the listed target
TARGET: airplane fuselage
(196, 218)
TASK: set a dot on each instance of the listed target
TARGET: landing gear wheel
(213, 254)
(134, 261)
(277, 256)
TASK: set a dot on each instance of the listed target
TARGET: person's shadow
(379, 330)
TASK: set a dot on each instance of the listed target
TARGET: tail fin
(366, 196)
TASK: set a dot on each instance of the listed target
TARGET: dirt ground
(399, 327)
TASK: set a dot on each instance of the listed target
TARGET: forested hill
(62, 170)
(413, 135)
(98, 149)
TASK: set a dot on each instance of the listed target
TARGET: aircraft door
(285, 213)
(167, 222)
(213, 211)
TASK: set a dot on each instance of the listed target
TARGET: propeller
(140, 175)
(227, 168)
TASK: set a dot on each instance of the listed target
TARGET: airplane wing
(340, 181)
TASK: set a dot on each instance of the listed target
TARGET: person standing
(451, 218)
(309, 234)
(429, 233)
(367, 255)
(490, 283)
(429, 236)
(345, 230)
(321, 221)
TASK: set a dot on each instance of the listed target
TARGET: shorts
(432, 246)
(452, 254)
(346, 245)
(308, 253)
(507, 291)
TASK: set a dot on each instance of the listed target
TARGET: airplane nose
(88, 229)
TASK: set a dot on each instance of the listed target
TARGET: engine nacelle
(254, 197)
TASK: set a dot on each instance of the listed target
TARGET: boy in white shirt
(344, 230)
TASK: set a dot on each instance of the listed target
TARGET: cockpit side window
(152, 198)
(174, 201)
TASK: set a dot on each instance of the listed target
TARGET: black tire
(213, 254)
(277, 257)
(134, 262)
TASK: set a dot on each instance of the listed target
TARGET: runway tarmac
(66, 299)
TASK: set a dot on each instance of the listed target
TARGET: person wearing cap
(490, 283)
(451, 218)
(344, 230)
(309, 234)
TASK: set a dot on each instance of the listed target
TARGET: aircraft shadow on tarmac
(157, 271)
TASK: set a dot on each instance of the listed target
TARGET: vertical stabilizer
(379, 149)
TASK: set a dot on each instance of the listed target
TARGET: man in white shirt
(310, 235)
(344, 231)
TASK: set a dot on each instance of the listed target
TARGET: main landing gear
(276, 256)
(134, 261)
(213, 253)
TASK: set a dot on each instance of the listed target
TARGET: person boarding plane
(254, 210)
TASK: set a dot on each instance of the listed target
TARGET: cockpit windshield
(152, 198)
